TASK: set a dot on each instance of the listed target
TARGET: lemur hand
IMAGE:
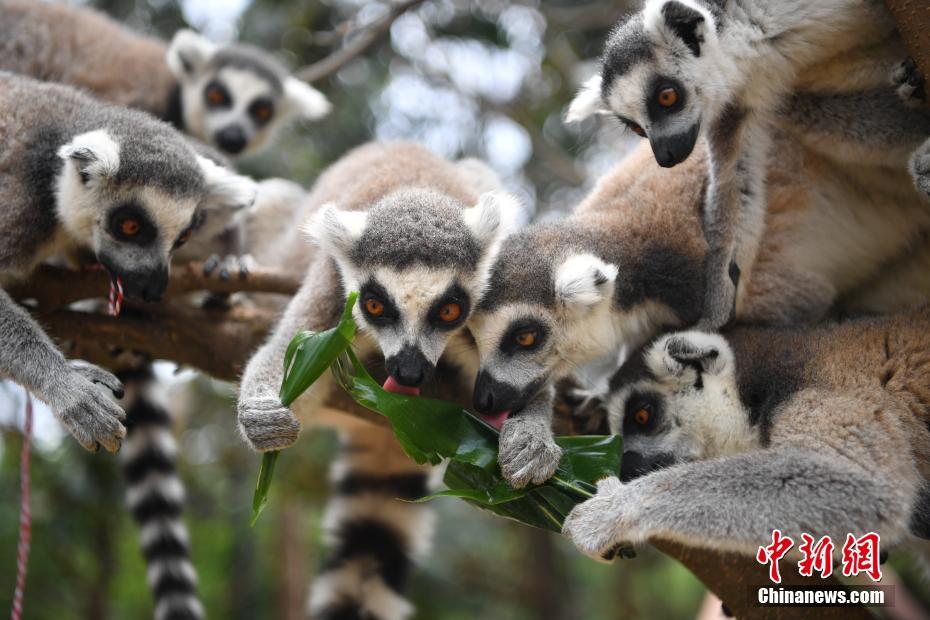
(86, 411)
(920, 168)
(267, 424)
(607, 522)
(909, 83)
(225, 268)
(527, 451)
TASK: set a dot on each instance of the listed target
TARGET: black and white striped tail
(374, 537)
(155, 496)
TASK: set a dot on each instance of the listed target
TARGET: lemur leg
(909, 83)
(373, 529)
(264, 421)
(527, 452)
(734, 213)
(920, 168)
(734, 503)
(28, 357)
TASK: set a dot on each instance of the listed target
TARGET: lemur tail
(374, 537)
(155, 496)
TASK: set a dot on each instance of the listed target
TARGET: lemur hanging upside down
(820, 430)
(415, 235)
(79, 175)
(231, 96)
(680, 69)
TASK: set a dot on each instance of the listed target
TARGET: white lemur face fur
(134, 211)
(678, 400)
(560, 316)
(236, 97)
(419, 262)
(658, 76)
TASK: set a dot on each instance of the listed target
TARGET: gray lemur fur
(80, 47)
(818, 430)
(732, 65)
(72, 171)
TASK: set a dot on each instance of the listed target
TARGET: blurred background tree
(489, 79)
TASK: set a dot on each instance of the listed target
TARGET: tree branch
(357, 46)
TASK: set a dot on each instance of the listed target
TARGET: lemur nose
(483, 400)
(231, 139)
(409, 367)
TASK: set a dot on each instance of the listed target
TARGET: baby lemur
(680, 69)
(80, 175)
(233, 97)
(820, 430)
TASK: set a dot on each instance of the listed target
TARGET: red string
(116, 297)
(25, 516)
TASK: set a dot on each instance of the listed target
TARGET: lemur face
(654, 78)
(677, 400)
(132, 213)
(235, 97)
(539, 333)
(419, 263)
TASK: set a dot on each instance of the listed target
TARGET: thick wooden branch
(357, 46)
(913, 20)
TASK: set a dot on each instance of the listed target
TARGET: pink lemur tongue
(390, 385)
(495, 419)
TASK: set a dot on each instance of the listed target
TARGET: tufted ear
(94, 155)
(496, 215)
(336, 231)
(301, 99)
(583, 281)
(225, 189)
(707, 353)
(587, 102)
(684, 20)
(189, 53)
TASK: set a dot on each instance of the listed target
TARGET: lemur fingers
(527, 452)
(92, 418)
(226, 267)
(95, 374)
(909, 83)
(920, 168)
(267, 424)
(604, 523)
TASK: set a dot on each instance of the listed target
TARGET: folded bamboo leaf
(260, 497)
(430, 431)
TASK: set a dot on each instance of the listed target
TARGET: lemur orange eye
(668, 97)
(130, 227)
(216, 95)
(642, 416)
(185, 236)
(374, 307)
(526, 339)
(639, 131)
(263, 113)
(450, 312)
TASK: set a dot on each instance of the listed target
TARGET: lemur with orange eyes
(233, 97)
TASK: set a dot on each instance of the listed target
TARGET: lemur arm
(734, 213)
(28, 357)
(527, 452)
(264, 421)
(734, 503)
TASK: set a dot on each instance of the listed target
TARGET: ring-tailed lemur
(79, 175)
(819, 430)
(231, 96)
(834, 223)
(683, 68)
(415, 235)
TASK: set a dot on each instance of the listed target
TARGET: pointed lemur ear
(226, 189)
(94, 155)
(704, 352)
(686, 22)
(584, 281)
(189, 53)
(587, 102)
(496, 215)
(301, 99)
(336, 231)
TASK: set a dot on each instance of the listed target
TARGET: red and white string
(25, 516)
